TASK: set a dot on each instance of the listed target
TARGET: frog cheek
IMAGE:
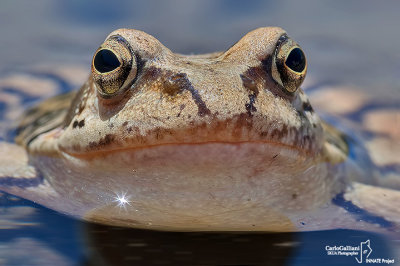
(113, 68)
(289, 65)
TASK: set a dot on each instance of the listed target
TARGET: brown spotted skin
(222, 141)
(227, 98)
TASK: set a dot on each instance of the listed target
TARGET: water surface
(349, 43)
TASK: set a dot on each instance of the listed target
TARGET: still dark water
(353, 43)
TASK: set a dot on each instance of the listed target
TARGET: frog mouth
(198, 157)
(237, 130)
(268, 147)
(205, 134)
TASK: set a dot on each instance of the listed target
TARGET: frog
(224, 141)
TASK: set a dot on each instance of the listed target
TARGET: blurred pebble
(338, 100)
(383, 122)
(26, 251)
(384, 151)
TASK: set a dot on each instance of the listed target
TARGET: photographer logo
(361, 253)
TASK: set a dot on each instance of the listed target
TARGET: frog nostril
(106, 61)
(296, 60)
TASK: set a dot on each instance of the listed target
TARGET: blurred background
(349, 43)
(345, 41)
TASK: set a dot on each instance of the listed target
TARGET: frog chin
(192, 180)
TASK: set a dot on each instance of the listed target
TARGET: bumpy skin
(224, 141)
(179, 99)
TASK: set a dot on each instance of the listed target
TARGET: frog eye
(296, 60)
(289, 64)
(106, 61)
(113, 67)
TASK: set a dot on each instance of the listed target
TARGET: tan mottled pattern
(223, 141)
(229, 98)
(31, 85)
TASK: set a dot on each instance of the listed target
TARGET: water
(44, 237)
(352, 43)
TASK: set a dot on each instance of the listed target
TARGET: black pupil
(296, 60)
(106, 61)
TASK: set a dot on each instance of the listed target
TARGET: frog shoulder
(371, 123)
(19, 178)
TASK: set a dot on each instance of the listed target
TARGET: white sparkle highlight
(122, 200)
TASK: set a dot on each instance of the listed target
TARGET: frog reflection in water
(221, 141)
